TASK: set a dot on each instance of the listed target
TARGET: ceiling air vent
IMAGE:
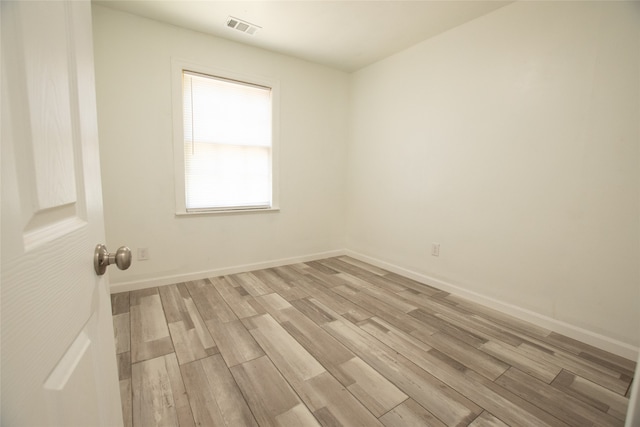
(243, 26)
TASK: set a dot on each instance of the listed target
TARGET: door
(58, 357)
(633, 412)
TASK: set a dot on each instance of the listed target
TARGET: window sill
(227, 212)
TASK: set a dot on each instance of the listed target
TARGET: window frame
(178, 66)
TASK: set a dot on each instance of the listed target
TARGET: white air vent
(240, 25)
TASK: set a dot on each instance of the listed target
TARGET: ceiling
(343, 34)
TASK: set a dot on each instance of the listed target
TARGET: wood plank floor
(340, 342)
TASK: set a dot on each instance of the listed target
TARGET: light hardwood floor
(339, 342)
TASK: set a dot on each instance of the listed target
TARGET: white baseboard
(179, 278)
(597, 340)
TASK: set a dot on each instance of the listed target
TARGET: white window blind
(227, 143)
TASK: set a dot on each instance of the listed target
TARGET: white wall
(133, 66)
(513, 141)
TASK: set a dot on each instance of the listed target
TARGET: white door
(58, 357)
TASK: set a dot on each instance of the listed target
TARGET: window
(224, 154)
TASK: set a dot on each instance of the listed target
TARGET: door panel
(75, 371)
(58, 356)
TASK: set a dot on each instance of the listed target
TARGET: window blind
(227, 143)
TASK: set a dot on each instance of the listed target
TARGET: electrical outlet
(143, 254)
(435, 249)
